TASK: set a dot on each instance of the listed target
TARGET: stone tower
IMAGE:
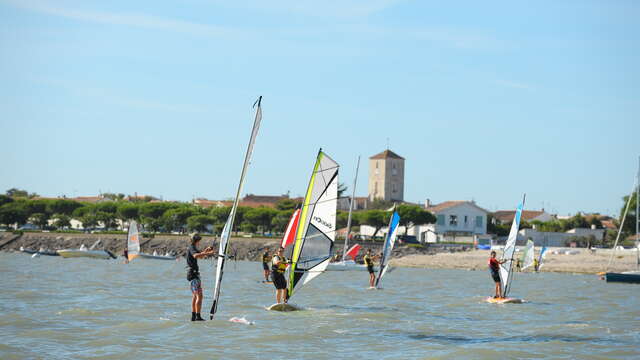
(386, 176)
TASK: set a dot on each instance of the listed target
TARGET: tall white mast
(353, 196)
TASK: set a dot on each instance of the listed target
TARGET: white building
(457, 221)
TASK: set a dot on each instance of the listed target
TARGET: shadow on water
(445, 339)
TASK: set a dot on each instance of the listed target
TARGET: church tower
(386, 176)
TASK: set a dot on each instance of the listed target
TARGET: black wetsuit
(277, 273)
(193, 271)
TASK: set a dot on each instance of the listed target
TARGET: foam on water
(75, 308)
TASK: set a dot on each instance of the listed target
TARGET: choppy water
(52, 307)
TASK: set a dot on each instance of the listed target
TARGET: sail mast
(353, 197)
(228, 227)
(624, 217)
(506, 272)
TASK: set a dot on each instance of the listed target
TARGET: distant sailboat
(312, 249)
(528, 255)
(228, 226)
(628, 276)
(506, 269)
(133, 245)
(84, 252)
(389, 243)
(349, 254)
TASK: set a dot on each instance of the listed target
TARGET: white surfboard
(284, 307)
(504, 300)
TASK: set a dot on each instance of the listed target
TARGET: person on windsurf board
(368, 261)
(494, 268)
(278, 266)
(266, 258)
(193, 274)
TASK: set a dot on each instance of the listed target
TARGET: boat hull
(629, 277)
(346, 266)
(156, 257)
(95, 254)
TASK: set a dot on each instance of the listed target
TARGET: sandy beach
(584, 262)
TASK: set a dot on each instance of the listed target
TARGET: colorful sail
(290, 234)
(228, 226)
(133, 241)
(528, 255)
(543, 253)
(389, 242)
(506, 273)
(353, 251)
(316, 231)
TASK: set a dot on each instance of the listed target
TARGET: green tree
(151, 224)
(629, 226)
(281, 220)
(88, 220)
(199, 222)
(128, 211)
(287, 204)
(19, 193)
(261, 217)
(374, 218)
(155, 210)
(248, 228)
(62, 206)
(5, 199)
(40, 220)
(411, 215)
(61, 221)
(176, 219)
(14, 212)
(107, 219)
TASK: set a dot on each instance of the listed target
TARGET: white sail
(133, 241)
(228, 227)
(529, 255)
(317, 225)
(506, 268)
(351, 205)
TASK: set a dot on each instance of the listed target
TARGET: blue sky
(485, 100)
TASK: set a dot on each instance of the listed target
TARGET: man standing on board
(368, 261)
(494, 268)
(278, 267)
(193, 274)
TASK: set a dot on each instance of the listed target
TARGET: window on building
(479, 221)
(466, 220)
(377, 171)
(394, 171)
(440, 219)
(375, 188)
(453, 220)
(393, 187)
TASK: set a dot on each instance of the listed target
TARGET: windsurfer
(278, 267)
(125, 254)
(265, 264)
(193, 274)
(494, 268)
(368, 260)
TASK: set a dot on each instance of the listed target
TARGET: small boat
(39, 252)
(133, 246)
(155, 256)
(631, 277)
(84, 252)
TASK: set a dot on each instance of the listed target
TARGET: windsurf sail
(353, 251)
(290, 234)
(506, 273)
(133, 241)
(228, 226)
(529, 255)
(316, 233)
(543, 253)
(351, 204)
(389, 242)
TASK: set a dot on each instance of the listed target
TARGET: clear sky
(485, 100)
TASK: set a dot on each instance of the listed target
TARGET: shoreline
(584, 262)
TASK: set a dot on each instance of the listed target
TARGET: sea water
(52, 307)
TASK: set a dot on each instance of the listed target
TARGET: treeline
(178, 217)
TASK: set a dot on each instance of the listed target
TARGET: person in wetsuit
(266, 258)
(494, 268)
(193, 274)
(368, 261)
(278, 266)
